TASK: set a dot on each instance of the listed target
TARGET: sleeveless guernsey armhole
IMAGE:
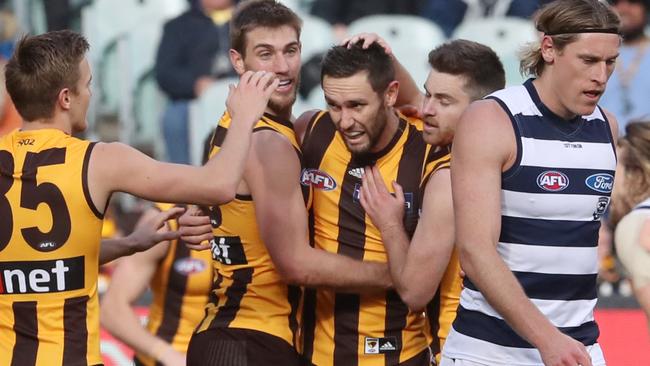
(515, 127)
(609, 131)
(84, 183)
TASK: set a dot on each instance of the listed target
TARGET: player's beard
(374, 133)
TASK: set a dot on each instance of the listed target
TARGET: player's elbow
(294, 274)
(468, 258)
(220, 194)
(415, 301)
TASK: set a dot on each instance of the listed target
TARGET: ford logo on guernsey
(317, 179)
(601, 182)
(552, 181)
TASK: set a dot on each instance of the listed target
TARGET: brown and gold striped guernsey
(180, 288)
(441, 311)
(50, 233)
(366, 329)
(248, 292)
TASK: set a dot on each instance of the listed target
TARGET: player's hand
(563, 350)
(368, 39)
(152, 229)
(195, 228)
(247, 100)
(384, 209)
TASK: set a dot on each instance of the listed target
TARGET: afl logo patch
(601, 182)
(317, 179)
(188, 266)
(552, 181)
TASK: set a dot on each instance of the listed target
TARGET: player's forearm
(409, 93)
(396, 243)
(322, 269)
(111, 249)
(485, 268)
(120, 320)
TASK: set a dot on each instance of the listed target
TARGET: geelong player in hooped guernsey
(532, 176)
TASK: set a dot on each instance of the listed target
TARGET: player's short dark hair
(343, 62)
(253, 14)
(40, 68)
(477, 63)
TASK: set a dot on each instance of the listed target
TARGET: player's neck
(47, 123)
(281, 114)
(544, 87)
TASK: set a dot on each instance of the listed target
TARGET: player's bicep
(272, 175)
(479, 152)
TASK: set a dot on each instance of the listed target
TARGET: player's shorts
(239, 347)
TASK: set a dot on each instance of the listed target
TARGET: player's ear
(237, 61)
(390, 95)
(548, 50)
(63, 98)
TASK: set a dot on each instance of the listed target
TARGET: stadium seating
(505, 35)
(316, 36)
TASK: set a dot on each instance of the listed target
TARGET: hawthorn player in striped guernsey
(179, 279)
(361, 128)
(261, 248)
(54, 189)
(426, 271)
(527, 209)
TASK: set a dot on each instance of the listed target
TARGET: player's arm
(282, 220)
(418, 267)
(118, 167)
(483, 145)
(130, 279)
(147, 233)
(409, 93)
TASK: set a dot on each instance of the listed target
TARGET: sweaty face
(580, 73)
(444, 102)
(276, 50)
(81, 98)
(359, 113)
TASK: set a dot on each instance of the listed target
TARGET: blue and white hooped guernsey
(551, 203)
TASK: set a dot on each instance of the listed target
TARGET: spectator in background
(631, 198)
(9, 117)
(340, 13)
(448, 14)
(628, 90)
(193, 54)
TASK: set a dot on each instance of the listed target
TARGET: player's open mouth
(284, 85)
(593, 94)
(353, 136)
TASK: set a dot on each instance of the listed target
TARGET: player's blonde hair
(564, 19)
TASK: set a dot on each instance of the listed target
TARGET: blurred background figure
(9, 117)
(448, 14)
(193, 54)
(632, 201)
(340, 13)
(180, 280)
(628, 89)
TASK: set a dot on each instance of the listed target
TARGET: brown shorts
(239, 347)
(421, 359)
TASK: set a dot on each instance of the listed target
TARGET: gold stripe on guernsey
(368, 329)
(49, 251)
(178, 303)
(247, 291)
